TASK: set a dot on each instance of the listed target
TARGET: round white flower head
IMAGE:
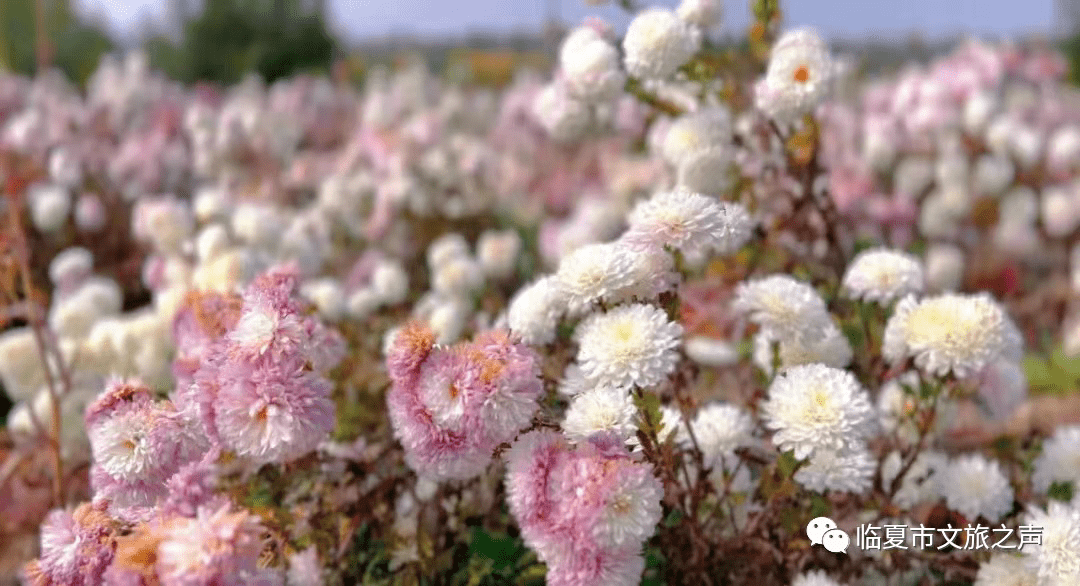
(720, 429)
(975, 486)
(564, 118)
(1059, 460)
(390, 282)
(707, 171)
(1060, 213)
(629, 345)
(362, 302)
(849, 469)
(883, 275)
(798, 76)
(690, 222)
(816, 406)
(783, 306)
(211, 242)
(535, 310)
(1004, 569)
(594, 272)
(327, 295)
(1057, 559)
(708, 351)
(573, 382)
(921, 483)
(831, 348)
(703, 13)
(603, 409)
(446, 248)
(814, 578)
(498, 252)
(50, 206)
(954, 333)
(631, 514)
(71, 266)
(459, 277)
(695, 132)
(657, 43)
(448, 320)
(993, 174)
(944, 267)
(590, 67)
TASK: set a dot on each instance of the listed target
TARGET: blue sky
(361, 19)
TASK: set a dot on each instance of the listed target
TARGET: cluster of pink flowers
(451, 407)
(584, 509)
(260, 390)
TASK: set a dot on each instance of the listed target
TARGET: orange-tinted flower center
(802, 74)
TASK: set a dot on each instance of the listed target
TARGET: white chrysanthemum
(498, 252)
(816, 406)
(73, 316)
(975, 486)
(602, 409)
(632, 512)
(1005, 569)
(798, 76)
(921, 483)
(1063, 149)
(850, 469)
(1060, 212)
(783, 306)
(720, 428)
(708, 351)
(830, 348)
(390, 282)
(535, 310)
(211, 203)
(50, 206)
(690, 222)
(992, 175)
(362, 303)
(944, 267)
(629, 345)
(954, 333)
(695, 132)
(564, 118)
(651, 272)
(1059, 460)
(573, 381)
(121, 446)
(591, 67)
(883, 275)
(458, 277)
(211, 242)
(594, 272)
(446, 248)
(657, 43)
(707, 171)
(327, 296)
(258, 224)
(448, 320)
(814, 578)
(1057, 559)
(71, 266)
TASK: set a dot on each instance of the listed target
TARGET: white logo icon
(836, 540)
(816, 529)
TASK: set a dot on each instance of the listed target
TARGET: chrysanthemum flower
(703, 13)
(601, 410)
(534, 312)
(598, 566)
(695, 132)
(690, 222)
(657, 43)
(76, 547)
(591, 67)
(707, 171)
(564, 118)
(461, 402)
(594, 272)
(849, 469)
(1005, 569)
(498, 252)
(953, 333)
(975, 486)
(1059, 460)
(883, 275)
(1057, 558)
(783, 306)
(219, 546)
(629, 345)
(798, 77)
(720, 428)
(617, 497)
(651, 272)
(708, 351)
(816, 406)
(921, 483)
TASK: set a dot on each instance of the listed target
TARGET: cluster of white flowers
(798, 78)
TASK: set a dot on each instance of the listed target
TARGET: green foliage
(1062, 491)
(275, 38)
(1053, 373)
(74, 46)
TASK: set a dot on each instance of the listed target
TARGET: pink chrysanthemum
(193, 486)
(219, 547)
(76, 548)
(453, 406)
(272, 413)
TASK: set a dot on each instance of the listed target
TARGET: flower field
(646, 317)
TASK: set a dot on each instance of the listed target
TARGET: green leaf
(502, 549)
(819, 507)
(786, 463)
(1062, 491)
